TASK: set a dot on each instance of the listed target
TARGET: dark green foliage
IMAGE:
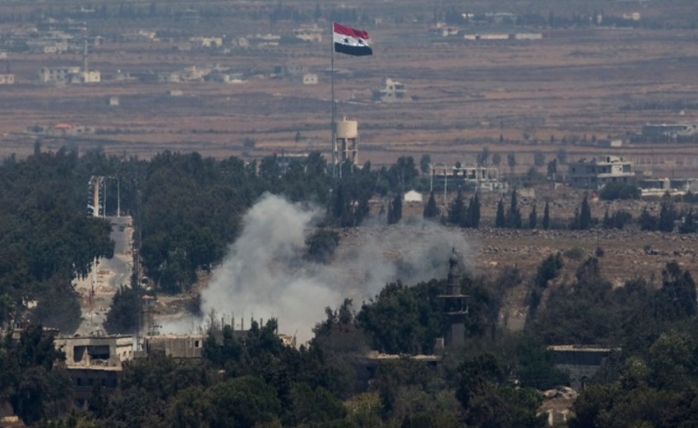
(403, 319)
(618, 220)
(546, 216)
(244, 401)
(457, 214)
(500, 220)
(552, 169)
(532, 218)
(582, 217)
(424, 164)
(689, 224)
(487, 399)
(549, 269)
(647, 221)
(618, 190)
(320, 246)
(676, 299)
(46, 240)
(538, 158)
(395, 209)
(124, 313)
(431, 210)
(667, 217)
(473, 215)
(514, 216)
(28, 378)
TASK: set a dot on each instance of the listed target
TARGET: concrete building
(309, 33)
(105, 351)
(58, 74)
(7, 79)
(391, 92)
(474, 178)
(175, 346)
(70, 74)
(310, 79)
(597, 172)
(581, 361)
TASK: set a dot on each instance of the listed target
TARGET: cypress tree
(546, 216)
(474, 212)
(430, 209)
(532, 218)
(667, 216)
(500, 220)
(395, 209)
(585, 215)
(456, 212)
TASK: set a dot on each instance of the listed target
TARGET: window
(197, 344)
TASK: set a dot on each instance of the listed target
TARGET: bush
(574, 253)
(613, 191)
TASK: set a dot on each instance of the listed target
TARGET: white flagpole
(333, 146)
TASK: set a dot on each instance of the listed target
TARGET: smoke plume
(265, 276)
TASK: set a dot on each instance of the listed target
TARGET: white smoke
(265, 276)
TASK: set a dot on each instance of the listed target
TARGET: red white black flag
(350, 41)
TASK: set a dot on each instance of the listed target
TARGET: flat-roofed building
(597, 172)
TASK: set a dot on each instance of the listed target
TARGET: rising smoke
(264, 275)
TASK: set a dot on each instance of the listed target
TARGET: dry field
(575, 83)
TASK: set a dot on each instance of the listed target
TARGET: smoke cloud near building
(264, 274)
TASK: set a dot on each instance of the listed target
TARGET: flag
(350, 41)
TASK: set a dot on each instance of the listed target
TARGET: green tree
(473, 215)
(500, 220)
(667, 217)
(431, 210)
(532, 218)
(124, 312)
(321, 245)
(617, 190)
(549, 269)
(538, 158)
(546, 216)
(395, 209)
(457, 212)
(496, 159)
(511, 161)
(425, 164)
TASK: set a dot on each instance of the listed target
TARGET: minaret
(455, 305)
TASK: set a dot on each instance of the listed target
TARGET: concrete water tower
(346, 145)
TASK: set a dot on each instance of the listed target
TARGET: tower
(455, 305)
(346, 146)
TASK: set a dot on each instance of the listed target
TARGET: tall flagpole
(333, 127)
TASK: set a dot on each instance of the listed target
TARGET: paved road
(107, 276)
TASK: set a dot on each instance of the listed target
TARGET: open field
(576, 84)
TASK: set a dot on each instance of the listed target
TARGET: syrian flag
(350, 41)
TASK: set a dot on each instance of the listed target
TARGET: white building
(7, 79)
(68, 75)
(412, 196)
(597, 172)
(392, 91)
(57, 74)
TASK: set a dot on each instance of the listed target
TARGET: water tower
(346, 146)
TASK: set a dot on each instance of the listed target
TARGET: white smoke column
(265, 276)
